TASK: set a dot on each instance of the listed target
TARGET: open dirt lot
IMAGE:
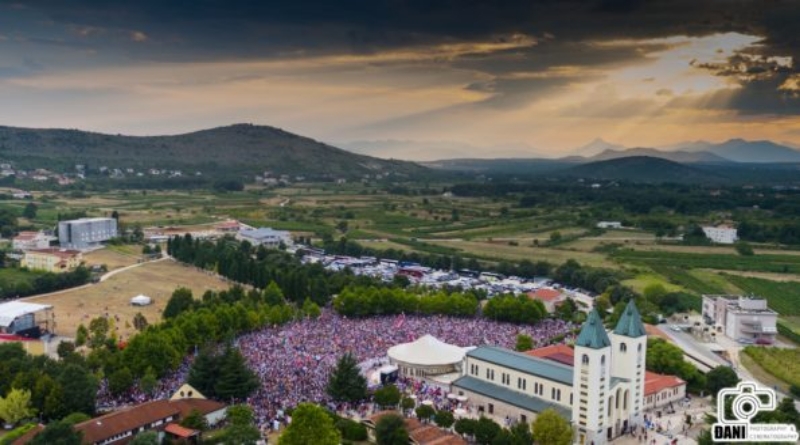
(111, 258)
(112, 297)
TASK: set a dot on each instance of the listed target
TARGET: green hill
(240, 149)
(642, 169)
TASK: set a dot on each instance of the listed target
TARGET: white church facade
(601, 392)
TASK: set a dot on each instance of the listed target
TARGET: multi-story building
(86, 233)
(601, 392)
(52, 260)
(744, 319)
(721, 234)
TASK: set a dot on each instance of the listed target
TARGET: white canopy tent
(427, 351)
(141, 300)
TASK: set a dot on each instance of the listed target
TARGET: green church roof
(593, 334)
(630, 323)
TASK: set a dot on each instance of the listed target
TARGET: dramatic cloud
(543, 73)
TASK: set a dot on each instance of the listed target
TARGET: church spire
(593, 334)
(630, 323)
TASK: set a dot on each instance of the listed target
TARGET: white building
(609, 225)
(721, 234)
(86, 233)
(744, 319)
(602, 393)
(31, 240)
(265, 236)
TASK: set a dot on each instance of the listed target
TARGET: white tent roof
(427, 351)
(14, 309)
(141, 299)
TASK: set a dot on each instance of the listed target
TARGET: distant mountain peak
(595, 147)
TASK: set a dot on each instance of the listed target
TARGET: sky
(411, 79)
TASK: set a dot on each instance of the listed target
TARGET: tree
(550, 428)
(524, 343)
(195, 420)
(139, 322)
(120, 381)
(310, 424)
(81, 335)
(58, 433)
(235, 379)
(486, 430)
(98, 332)
(30, 211)
(391, 430)
(203, 373)
(79, 390)
(145, 438)
(16, 406)
(521, 434)
(241, 429)
(424, 412)
(744, 248)
(465, 426)
(719, 378)
(180, 301)
(387, 396)
(346, 384)
(444, 419)
(407, 403)
(148, 382)
(310, 309)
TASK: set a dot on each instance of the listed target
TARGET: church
(599, 386)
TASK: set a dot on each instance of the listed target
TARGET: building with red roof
(551, 298)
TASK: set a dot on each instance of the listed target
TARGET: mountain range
(733, 150)
(240, 149)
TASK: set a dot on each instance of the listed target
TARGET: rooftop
(654, 383)
(509, 396)
(630, 323)
(532, 365)
(593, 334)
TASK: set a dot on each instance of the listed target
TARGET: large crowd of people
(294, 361)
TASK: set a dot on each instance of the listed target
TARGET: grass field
(783, 297)
(156, 280)
(642, 281)
(112, 258)
(781, 363)
(503, 250)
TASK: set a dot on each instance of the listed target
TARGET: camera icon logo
(736, 408)
(746, 401)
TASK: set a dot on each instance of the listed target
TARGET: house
(745, 319)
(52, 259)
(31, 240)
(163, 416)
(661, 390)
(551, 298)
(721, 234)
(601, 393)
(21, 194)
(265, 236)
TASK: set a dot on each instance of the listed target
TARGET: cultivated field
(157, 280)
(113, 258)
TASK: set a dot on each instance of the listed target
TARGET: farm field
(157, 280)
(782, 363)
(783, 297)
